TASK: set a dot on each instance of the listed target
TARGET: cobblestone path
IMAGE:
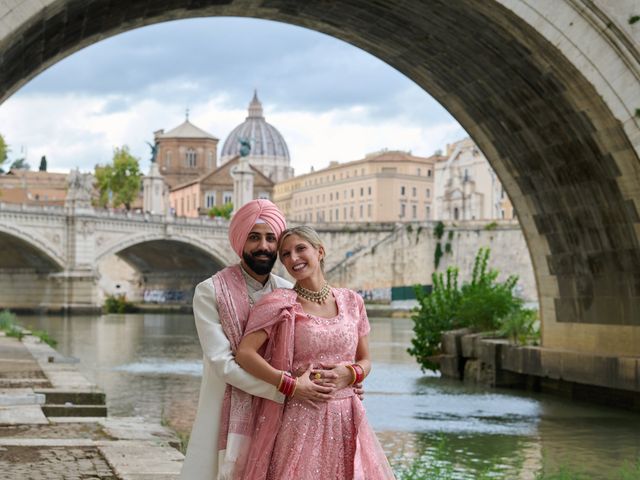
(53, 463)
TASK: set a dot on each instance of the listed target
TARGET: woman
(314, 436)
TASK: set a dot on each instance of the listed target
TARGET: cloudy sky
(331, 101)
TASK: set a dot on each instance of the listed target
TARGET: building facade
(198, 196)
(269, 152)
(185, 153)
(467, 188)
(386, 186)
(33, 188)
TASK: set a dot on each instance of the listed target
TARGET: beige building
(196, 197)
(33, 188)
(185, 153)
(386, 186)
(467, 188)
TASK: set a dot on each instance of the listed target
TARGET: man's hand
(340, 376)
(359, 389)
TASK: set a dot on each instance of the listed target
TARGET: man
(253, 233)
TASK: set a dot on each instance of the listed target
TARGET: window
(369, 190)
(167, 158)
(361, 211)
(337, 214)
(337, 195)
(191, 158)
(414, 191)
(351, 212)
(428, 193)
(414, 211)
(352, 193)
(227, 197)
(403, 209)
(211, 162)
(428, 213)
(369, 210)
(428, 173)
(362, 191)
(345, 213)
(331, 197)
(401, 190)
(419, 172)
(195, 205)
(456, 214)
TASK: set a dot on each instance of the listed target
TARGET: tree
(4, 152)
(223, 211)
(119, 182)
(43, 164)
(20, 164)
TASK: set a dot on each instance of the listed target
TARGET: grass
(10, 326)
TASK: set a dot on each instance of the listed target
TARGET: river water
(150, 365)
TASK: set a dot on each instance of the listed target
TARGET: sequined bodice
(322, 341)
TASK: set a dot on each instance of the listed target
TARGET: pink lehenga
(298, 441)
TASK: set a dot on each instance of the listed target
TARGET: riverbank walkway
(53, 424)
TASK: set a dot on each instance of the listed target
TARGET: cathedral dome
(269, 152)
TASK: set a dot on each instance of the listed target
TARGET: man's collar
(252, 282)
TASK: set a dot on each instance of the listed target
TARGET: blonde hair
(307, 234)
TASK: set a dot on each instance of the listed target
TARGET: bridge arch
(548, 90)
(23, 250)
(218, 254)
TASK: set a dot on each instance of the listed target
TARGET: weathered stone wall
(405, 255)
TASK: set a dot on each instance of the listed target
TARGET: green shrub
(435, 314)
(118, 304)
(479, 304)
(223, 211)
(484, 300)
(519, 326)
(45, 337)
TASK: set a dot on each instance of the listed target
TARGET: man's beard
(259, 266)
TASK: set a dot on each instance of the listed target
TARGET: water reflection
(150, 365)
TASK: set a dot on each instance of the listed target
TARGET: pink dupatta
(273, 313)
(235, 421)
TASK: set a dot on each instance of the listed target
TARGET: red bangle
(287, 384)
(359, 373)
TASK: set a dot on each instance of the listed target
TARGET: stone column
(155, 192)
(243, 178)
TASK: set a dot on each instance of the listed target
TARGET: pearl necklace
(312, 295)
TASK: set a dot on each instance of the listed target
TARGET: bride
(314, 435)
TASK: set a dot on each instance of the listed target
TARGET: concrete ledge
(21, 415)
(496, 362)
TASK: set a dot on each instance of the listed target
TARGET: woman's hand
(341, 375)
(306, 389)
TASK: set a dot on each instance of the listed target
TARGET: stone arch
(216, 253)
(50, 259)
(548, 95)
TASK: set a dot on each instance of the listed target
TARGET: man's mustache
(263, 252)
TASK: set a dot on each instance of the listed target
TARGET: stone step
(60, 397)
(73, 410)
(35, 383)
(20, 396)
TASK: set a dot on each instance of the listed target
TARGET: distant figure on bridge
(221, 307)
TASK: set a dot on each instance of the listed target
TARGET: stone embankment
(478, 358)
(54, 424)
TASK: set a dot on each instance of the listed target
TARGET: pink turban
(245, 218)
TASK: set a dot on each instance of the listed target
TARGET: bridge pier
(69, 291)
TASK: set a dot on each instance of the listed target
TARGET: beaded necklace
(312, 295)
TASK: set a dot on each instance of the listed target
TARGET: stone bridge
(548, 89)
(51, 255)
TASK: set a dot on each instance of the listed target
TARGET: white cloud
(81, 130)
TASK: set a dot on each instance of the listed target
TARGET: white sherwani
(220, 368)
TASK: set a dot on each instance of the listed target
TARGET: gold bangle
(353, 373)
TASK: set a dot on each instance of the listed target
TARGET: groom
(221, 307)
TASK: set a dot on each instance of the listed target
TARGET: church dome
(269, 151)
